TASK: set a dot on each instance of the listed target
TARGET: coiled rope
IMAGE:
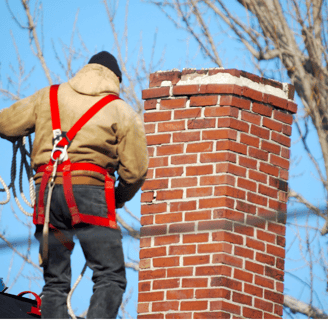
(20, 145)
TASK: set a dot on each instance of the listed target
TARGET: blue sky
(180, 52)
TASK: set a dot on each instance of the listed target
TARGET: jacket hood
(95, 79)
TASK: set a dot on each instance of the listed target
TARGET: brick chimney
(213, 205)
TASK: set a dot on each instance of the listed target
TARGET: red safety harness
(59, 153)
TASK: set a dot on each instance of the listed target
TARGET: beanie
(107, 60)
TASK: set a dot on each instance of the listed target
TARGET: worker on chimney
(83, 133)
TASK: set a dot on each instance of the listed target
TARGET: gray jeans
(102, 248)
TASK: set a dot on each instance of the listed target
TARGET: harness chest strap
(66, 167)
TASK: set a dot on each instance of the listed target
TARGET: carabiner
(63, 153)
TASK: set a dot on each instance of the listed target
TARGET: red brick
(179, 272)
(247, 162)
(245, 207)
(243, 275)
(226, 282)
(221, 112)
(234, 124)
(255, 198)
(198, 215)
(199, 170)
(280, 162)
(201, 123)
(171, 126)
(152, 252)
(230, 192)
(228, 260)
(252, 94)
(181, 227)
(143, 307)
(254, 267)
(213, 270)
(219, 134)
(182, 206)
(179, 294)
(184, 159)
(147, 197)
(169, 149)
(149, 128)
(273, 296)
(144, 286)
(255, 244)
(292, 107)
(280, 286)
(272, 124)
(249, 313)
(208, 100)
(156, 79)
(274, 273)
(217, 157)
(246, 184)
(183, 182)
(173, 103)
(193, 238)
(185, 90)
(283, 117)
(230, 145)
(150, 104)
(158, 162)
(151, 296)
(242, 298)
(186, 136)
(270, 192)
(276, 205)
(225, 306)
(234, 101)
(255, 221)
(199, 192)
(195, 260)
(283, 174)
(194, 282)
(285, 153)
(152, 274)
(151, 316)
(169, 172)
(164, 306)
(163, 240)
(214, 247)
(251, 117)
(150, 151)
(157, 116)
(152, 230)
(230, 168)
(260, 132)
(253, 290)
(182, 249)
(169, 194)
(276, 101)
(258, 176)
(270, 147)
(153, 208)
(249, 140)
(193, 305)
(261, 257)
(187, 113)
(166, 284)
(220, 88)
(280, 229)
(269, 169)
(145, 242)
(258, 154)
(242, 229)
(215, 180)
(262, 109)
(155, 93)
(281, 241)
(216, 202)
(280, 138)
(168, 218)
(228, 237)
(146, 220)
(212, 293)
(199, 147)
(265, 236)
(155, 184)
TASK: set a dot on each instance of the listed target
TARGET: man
(113, 139)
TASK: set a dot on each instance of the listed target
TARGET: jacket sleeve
(19, 119)
(133, 159)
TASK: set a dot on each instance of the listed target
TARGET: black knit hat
(107, 60)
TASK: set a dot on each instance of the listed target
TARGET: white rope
(69, 297)
(6, 190)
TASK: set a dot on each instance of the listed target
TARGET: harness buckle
(63, 152)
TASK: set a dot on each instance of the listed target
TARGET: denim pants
(102, 248)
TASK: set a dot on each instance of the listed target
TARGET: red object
(67, 167)
(34, 310)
